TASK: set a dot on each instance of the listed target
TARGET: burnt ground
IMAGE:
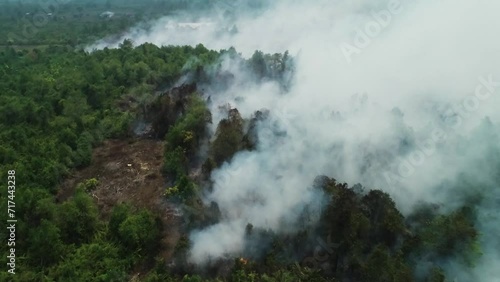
(129, 171)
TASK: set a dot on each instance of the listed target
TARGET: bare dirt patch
(129, 171)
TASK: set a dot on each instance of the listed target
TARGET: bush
(89, 184)
(175, 163)
(140, 231)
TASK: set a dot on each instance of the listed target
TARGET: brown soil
(129, 171)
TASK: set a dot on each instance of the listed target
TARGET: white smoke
(406, 81)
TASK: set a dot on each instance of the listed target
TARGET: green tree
(45, 246)
(140, 231)
(228, 139)
(98, 261)
(118, 215)
(78, 218)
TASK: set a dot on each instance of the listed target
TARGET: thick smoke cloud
(389, 94)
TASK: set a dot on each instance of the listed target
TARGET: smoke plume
(400, 96)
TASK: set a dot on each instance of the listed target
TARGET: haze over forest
(267, 128)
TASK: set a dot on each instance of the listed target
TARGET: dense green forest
(74, 23)
(58, 103)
